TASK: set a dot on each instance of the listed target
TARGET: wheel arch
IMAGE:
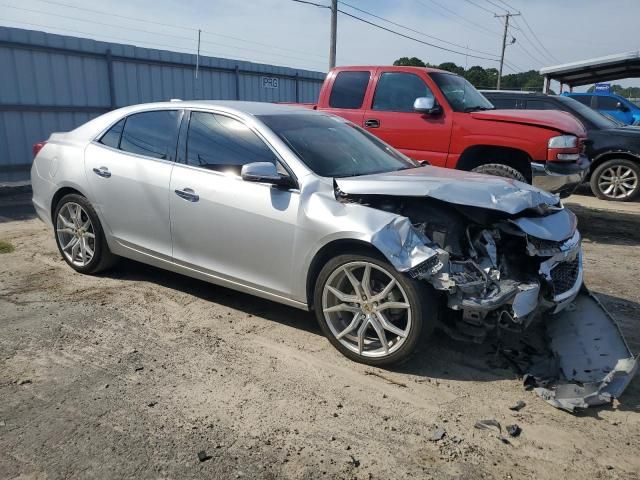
(477, 155)
(612, 155)
(61, 192)
(330, 250)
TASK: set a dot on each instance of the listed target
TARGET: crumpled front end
(502, 272)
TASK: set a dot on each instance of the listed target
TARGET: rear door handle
(102, 172)
(188, 194)
(372, 123)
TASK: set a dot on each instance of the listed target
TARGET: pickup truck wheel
(617, 180)
(372, 313)
(501, 170)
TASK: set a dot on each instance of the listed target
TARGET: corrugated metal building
(52, 83)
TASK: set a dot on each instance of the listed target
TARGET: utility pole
(334, 31)
(504, 41)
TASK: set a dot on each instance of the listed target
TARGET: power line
(451, 12)
(509, 7)
(412, 38)
(535, 47)
(182, 27)
(499, 6)
(538, 40)
(412, 30)
(480, 7)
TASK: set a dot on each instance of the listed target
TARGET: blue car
(611, 105)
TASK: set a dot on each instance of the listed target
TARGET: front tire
(501, 170)
(370, 312)
(617, 180)
(80, 237)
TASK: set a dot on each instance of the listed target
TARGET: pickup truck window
(461, 95)
(349, 89)
(396, 92)
(332, 147)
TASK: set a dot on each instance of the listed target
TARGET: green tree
(409, 62)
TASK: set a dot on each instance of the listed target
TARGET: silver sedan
(309, 210)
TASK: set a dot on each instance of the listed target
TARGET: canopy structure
(585, 72)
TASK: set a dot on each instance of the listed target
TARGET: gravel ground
(133, 373)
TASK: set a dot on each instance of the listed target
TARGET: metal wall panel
(53, 83)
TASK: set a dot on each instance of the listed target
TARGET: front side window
(607, 103)
(397, 91)
(221, 143)
(461, 95)
(152, 134)
(348, 89)
(333, 147)
(112, 137)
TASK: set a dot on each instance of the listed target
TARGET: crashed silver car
(310, 210)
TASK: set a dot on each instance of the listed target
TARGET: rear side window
(152, 134)
(397, 91)
(583, 99)
(221, 143)
(503, 103)
(349, 89)
(112, 137)
(541, 105)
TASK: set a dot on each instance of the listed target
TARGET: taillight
(37, 147)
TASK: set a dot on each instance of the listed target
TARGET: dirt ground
(131, 374)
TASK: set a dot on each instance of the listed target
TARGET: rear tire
(501, 170)
(625, 172)
(80, 237)
(401, 309)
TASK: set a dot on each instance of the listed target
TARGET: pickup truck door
(390, 116)
(347, 92)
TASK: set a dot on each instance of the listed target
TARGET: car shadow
(613, 227)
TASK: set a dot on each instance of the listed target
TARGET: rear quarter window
(349, 89)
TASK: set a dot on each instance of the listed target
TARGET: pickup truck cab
(439, 117)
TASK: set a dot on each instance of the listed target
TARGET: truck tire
(501, 170)
(617, 180)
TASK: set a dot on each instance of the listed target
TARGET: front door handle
(372, 123)
(188, 194)
(102, 172)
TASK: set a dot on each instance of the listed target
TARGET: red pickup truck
(440, 117)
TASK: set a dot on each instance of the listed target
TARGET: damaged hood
(550, 119)
(452, 186)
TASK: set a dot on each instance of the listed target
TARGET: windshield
(588, 114)
(333, 147)
(461, 95)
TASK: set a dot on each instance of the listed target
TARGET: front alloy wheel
(369, 311)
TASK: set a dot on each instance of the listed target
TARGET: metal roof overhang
(585, 72)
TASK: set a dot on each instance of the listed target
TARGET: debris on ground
(139, 368)
(514, 430)
(384, 377)
(152, 404)
(437, 435)
(24, 381)
(519, 405)
(202, 456)
(492, 425)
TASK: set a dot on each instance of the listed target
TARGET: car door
(242, 232)
(348, 92)
(129, 169)
(391, 117)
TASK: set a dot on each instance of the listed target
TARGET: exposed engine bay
(501, 272)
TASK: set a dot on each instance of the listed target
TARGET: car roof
(250, 108)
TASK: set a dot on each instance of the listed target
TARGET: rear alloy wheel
(369, 311)
(501, 170)
(617, 180)
(79, 235)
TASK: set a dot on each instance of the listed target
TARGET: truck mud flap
(592, 363)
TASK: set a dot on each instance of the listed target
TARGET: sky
(284, 32)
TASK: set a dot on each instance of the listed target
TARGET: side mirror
(264, 172)
(623, 108)
(427, 105)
